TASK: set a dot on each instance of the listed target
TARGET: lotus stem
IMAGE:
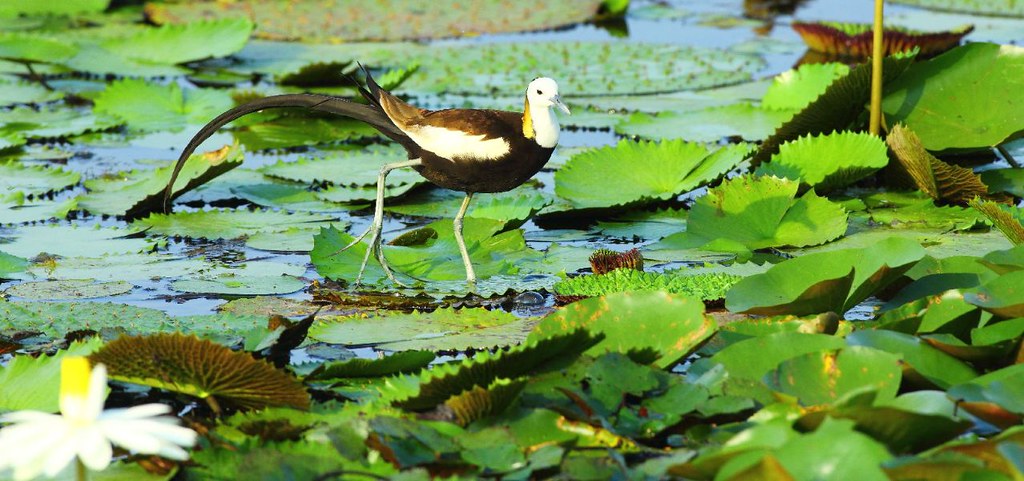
(874, 126)
(1008, 156)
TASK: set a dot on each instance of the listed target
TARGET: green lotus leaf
(1002, 296)
(56, 319)
(901, 430)
(200, 368)
(139, 192)
(292, 239)
(151, 107)
(637, 172)
(33, 179)
(916, 210)
(581, 68)
(826, 281)
(438, 384)
(829, 161)
(397, 363)
(671, 325)
(72, 241)
(11, 264)
(52, 122)
(301, 129)
(33, 383)
(227, 224)
(1008, 219)
(713, 124)
(754, 357)
(18, 92)
(437, 259)
(30, 7)
(249, 278)
(68, 289)
(838, 108)
(706, 287)
(794, 89)
(34, 48)
(642, 224)
(1009, 8)
(513, 207)
(96, 60)
(941, 181)
(445, 328)
(360, 194)
(290, 196)
(15, 210)
(1010, 181)
(173, 44)
(922, 363)
(920, 99)
(479, 402)
(131, 267)
(386, 20)
(348, 168)
(825, 377)
(750, 212)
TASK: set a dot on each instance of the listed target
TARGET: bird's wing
(465, 133)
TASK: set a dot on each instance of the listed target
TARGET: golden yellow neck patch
(527, 121)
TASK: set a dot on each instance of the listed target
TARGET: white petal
(94, 448)
(27, 416)
(97, 391)
(60, 454)
(30, 443)
(137, 412)
(150, 436)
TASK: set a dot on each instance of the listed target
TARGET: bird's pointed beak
(561, 106)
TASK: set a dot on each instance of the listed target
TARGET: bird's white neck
(545, 126)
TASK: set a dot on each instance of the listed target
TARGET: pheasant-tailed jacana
(467, 150)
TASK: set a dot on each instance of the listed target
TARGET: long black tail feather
(371, 114)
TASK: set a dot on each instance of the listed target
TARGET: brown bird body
(466, 150)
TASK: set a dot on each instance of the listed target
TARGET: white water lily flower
(38, 443)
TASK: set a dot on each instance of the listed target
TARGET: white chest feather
(455, 143)
(545, 127)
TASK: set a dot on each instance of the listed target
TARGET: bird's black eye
(539, 92)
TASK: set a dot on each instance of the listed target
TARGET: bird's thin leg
(378, 224)
(470, 275)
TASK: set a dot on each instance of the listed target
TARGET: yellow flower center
(74, 378)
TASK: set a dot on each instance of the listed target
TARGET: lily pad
(33, 179)
(11, 264)
(352, 168)
(919, 98)
(17, 92)
(34, 383)
(71, 241)
(387, 20)
(741, 120)
(670, 324)
(227, 224)
(150, 107)
(1009, 220)
(922, 361)
(68, 289)
(827, 281)
(985, 7)
(1003, 296)
(706, 287)
(249, 278)
(34, 48)
(794, 89)
(748, 212)
(56, 319)
(30, 7)
(53, 122)
(512, 208)
(854, 40)
(15, 210)
(916, 210)
(1010, 181)
(173, 44)
(830, 161)
(825, 377)
(637, 172)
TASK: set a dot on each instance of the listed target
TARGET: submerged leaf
(941, 181)
(200, 368)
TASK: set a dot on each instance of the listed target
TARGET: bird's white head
(543, 94)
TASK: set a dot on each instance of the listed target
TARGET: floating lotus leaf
(825, 377)
(753, 358)
(922, 362)
(1009, 8)
(240, 285)
(713, 124)
(15, 210)
(920, 97)
(1002, 296)
(200, 368)
(339, 21)
(915, 210)
(140, 192)
(173, 44)
(1009, 220)
(353, 168)
(11, 264)
(439, 384)
(358, 194)
(902, 430)
(492, 253)
(671, 325)
(839, 107)
(289, 196)
(1010, 181)
(638, 172)
(827, 281)
(472, 325)
(72, 241)
(513, 207)
(829, 161)
(479, 402)
(855, 39)
(152, 107)
(33, 48)
(68, 289)
(227, 224)
(941, 181)
(30, 7)
(292, 239)
(637, 224)
(52, 122)
(794, 89)
(56, 319)
(706, 287)
(17, 92)
(751, 212)
(34, 383)
(397, 363)
(581, 68)
(33, 179)
(96, 60)
(301, 129)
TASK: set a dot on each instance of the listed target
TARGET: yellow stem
(874, 126)
(81, 473)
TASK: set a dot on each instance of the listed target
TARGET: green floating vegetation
(1008, 8)
(706, 287)
(828, 161)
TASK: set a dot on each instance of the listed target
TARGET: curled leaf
(854, 39)
(1009, 220)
